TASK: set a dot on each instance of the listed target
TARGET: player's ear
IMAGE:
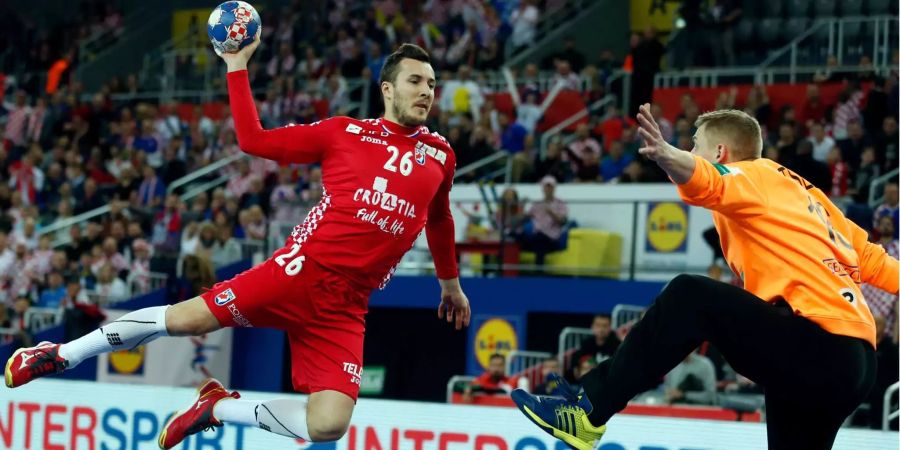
(721, 153)
(387, 89)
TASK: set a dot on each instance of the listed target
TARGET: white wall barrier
(610, 207)
(66, 415)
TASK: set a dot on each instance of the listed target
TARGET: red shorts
(323, 315)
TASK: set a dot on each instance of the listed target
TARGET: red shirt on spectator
(489, 383)
(613, 128)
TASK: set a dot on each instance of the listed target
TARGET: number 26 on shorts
(291, 268)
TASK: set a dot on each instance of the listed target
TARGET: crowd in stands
(61, 158)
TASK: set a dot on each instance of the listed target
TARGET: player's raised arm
(701, 181)
(291, 144)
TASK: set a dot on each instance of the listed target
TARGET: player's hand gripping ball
(232, 26)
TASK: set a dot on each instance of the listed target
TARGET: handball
(232, 26)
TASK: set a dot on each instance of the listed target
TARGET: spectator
(284, 197)
(847, 111)
(110, 256)
(167, 225)
(227, 249)
(553, 163)
(55, 293)
(524, 22)
(822, 143)
(725, 15)
(548, 366)
(494, 380)
(614, 125)
(91, 198)
(853, 144)
(571, 55)
(813, 109)
(510, 214)
(804, 165)
(787, 143)
(206, 241)
(139, 275)
(565, 77)
(615, 163)
(152, 189)
(889, 207)
(887, 142)
(109, 287)
(17, 120)
(602, 345)
(583, 150)
(840, 174)
(647, 55)
(238, 184)
(513, 136)
(868, 171)
(529, 113)
(547, 219)
(462, 94)
(693, 381)
(26, 179)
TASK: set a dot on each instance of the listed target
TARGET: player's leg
(326, 360)
(136, 328)
(324, 417)
(831, 378)
(760, 341)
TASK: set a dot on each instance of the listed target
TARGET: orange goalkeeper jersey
(785, 239)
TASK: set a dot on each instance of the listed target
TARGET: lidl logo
(667, 227)
(127, 362)
(494, 336)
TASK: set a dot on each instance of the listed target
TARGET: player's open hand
(655, 146)
(455, 307)
(238, 60)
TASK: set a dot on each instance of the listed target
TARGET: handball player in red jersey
(384, 181)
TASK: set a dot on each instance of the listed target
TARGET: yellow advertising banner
(659, 14)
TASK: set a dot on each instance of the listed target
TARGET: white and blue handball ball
(232, 26)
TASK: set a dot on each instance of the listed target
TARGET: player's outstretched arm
(678, 164)
(291, 144)
(876, 266)
(700, 183)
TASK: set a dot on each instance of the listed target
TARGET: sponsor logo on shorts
(225, 297)
(238, 317)
(355, 372)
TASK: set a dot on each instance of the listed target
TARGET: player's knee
(324, 428)
(190, 318)
(680, 290)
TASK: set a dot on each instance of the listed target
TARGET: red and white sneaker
(27, 364)
(198, 417)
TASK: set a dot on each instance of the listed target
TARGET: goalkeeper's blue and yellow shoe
(562, 418)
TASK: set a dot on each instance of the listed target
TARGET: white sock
(127, 332)
(286, 417)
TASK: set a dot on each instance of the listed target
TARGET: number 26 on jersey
(406, 164)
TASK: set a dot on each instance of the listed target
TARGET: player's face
(412, 93)
(704, 148)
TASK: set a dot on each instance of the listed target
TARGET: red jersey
(382, 182)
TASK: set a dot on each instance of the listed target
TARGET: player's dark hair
(392, 64)
(497, 355)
